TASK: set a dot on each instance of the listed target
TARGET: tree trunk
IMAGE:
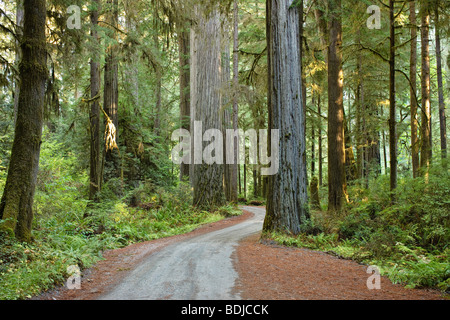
(94, 115)
(315, 198)
(359, 114)
(208, 178)
(111, 167)
(16, 206)
(319, 13)
(442, 119)
(319, 111)
(19, 22)
(392, 108)
(185, 109)
(302, 54)
(337, 186)
(234, 166)
(413, 91)
(287, 202)
(425, 151)
(245, 181)
(227, 111)
(158, 74)
(313, 142)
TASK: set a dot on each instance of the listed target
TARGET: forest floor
(265, 271)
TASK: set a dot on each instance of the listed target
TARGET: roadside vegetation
(408, 241)
(69, 230)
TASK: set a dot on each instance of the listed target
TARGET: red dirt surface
(272, 272)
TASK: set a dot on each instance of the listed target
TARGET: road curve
(199, 268)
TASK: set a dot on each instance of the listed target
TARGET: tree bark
(16, 206)
(234, 166)
(442, 119)
(337, 186)
(359, 114)
(19, 23)
(227, 110)
(425, 150)
(319, 111)
(185, 109)
(208, 178)
(413, 91)
(94, 114)
(111, 167)
(392, 107)
(315, 198)
(287, 202)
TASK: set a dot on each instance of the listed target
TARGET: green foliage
(408, 240)
(69, 230)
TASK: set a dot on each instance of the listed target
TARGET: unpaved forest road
(226, 260)
(198, 268)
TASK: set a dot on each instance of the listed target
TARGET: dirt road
(226, 260)
(196, 269)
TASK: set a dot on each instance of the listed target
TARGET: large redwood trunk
(413, 91)
(206, 104)
(185, 109)
(392, 109)
(111, 91)
(337, 186)
(16, 206)
(94, 114)
(442, 119)
(425, 150)
(287, 201)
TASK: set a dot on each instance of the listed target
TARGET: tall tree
(425, 150)
(392, 109)
(111, 87)
(413, 89)
(16, 206)
(287, 201)
(19, 23)
(94, 114)
(319, 111)
(158, 89)
(235, 165)
(360, 103)
(185, 110)
(206, 104)
(337, 186)
(442, 119)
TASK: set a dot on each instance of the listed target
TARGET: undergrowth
(68, 230)
(409, 240)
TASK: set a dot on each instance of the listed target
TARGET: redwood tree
(94, 114)
(206, 104)
(337, 186)
(425, 151)
(111, 88)
(442, 118)
(287, 203)
(413, 90)
(16, 207)
(392, 111)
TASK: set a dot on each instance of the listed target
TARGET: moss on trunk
(16, 206)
